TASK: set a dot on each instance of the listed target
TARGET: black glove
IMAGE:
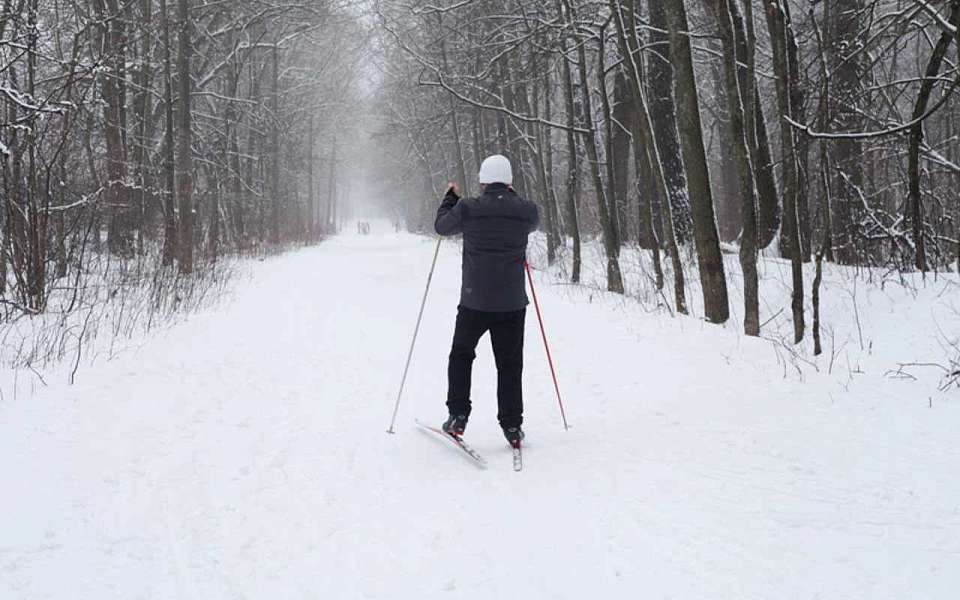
(450, 199)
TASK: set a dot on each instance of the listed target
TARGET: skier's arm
(449, 215)
(534, 217)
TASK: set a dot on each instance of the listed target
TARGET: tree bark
(458, 147)
(311, 191)
(629, 42)
(612, 251)
(914, 207)
(663, 115)
(706, 237)
(798, 99)
(768, 205)
(142, 106)
(541, 178)
(649, 211)
(620, 147)
(555, 227)
(169, 171)
(748, 239)
(275, 149)
(112, 88)
(847, 36)
(184, 139)
(573, 179)
(613, 201)
(779, 24)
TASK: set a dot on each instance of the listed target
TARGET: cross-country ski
(456, 441)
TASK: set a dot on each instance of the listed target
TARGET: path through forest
(242, 454)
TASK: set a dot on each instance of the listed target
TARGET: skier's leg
(506, 335)
(471, 325)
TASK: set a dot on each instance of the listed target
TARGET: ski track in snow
(242, 454)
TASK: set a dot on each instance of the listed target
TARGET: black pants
(506, 336)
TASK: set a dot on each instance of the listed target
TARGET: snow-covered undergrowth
(241, 454)
(873, 322)
(109, 307)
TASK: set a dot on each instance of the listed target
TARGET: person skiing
(493, 297)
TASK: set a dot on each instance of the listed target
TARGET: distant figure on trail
(493, 296)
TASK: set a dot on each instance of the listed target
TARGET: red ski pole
(546, 346)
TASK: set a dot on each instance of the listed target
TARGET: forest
(143, 143)
(814, 131)
(690, 331)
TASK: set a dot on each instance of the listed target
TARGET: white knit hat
(496, 169)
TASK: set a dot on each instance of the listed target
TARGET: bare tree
(710, 261)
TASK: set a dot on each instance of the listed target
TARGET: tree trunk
(311, 192)
(555, 227)
(142, 106)
(620, 146)
(748, 239)
(727, 202)
(112, 88)
(37, 206)
(612, 251)
(709, 258)
(847, 36)
(798, 98)
(612, 200)
(649, 211)
(332, 191)
(573, 180)
(542, 181)
(275, 150)
(235, 189)
(461, 168)
(478, 141)
(169, 172)
(629, 42)
(768, 205)
(778, 23)
(663, 115)
(914, 208)
(184, 139)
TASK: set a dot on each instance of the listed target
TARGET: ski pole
(546, 346)
(416, 329)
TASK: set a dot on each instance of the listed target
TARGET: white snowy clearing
(242, 454)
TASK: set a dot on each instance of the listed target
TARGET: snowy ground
(242, 454)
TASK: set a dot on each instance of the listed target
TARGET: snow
(242, 454)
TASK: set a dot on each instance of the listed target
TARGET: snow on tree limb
(941, 21)
(860, 135)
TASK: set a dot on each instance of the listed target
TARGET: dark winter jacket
(495, 226)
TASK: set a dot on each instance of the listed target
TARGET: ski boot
(514, 436)
(455, 425)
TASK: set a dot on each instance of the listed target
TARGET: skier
(493, 297)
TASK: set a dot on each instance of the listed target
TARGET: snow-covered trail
(243, 455)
